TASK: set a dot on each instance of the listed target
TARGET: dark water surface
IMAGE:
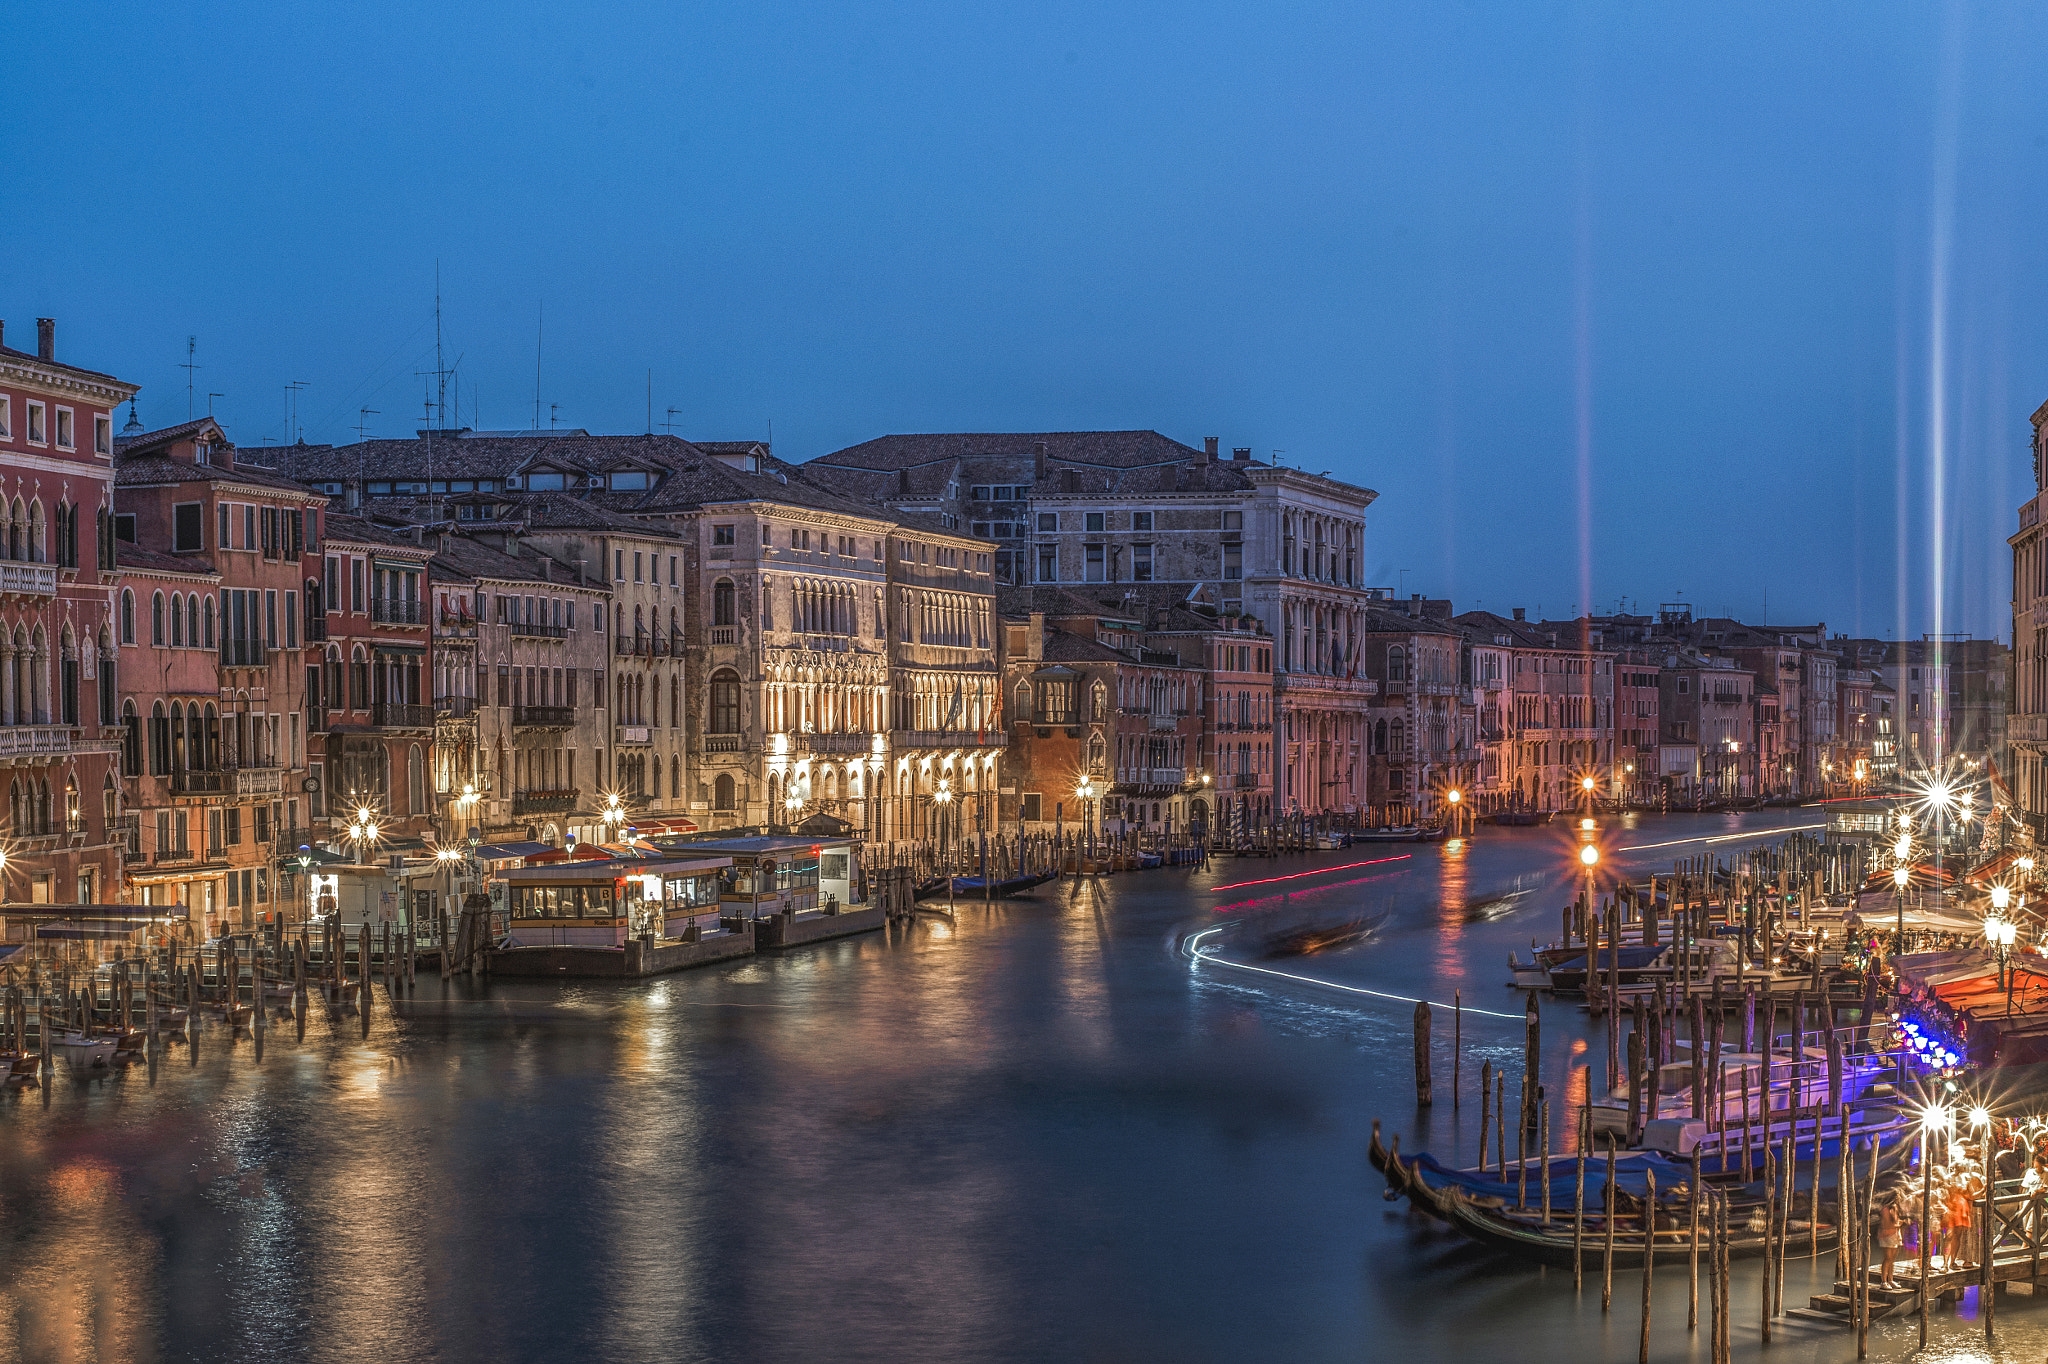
(1039, 1133)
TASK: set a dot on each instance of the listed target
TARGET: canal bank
(897, 1146)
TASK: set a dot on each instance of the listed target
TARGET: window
(65, 440)
(6, 418)
(1093, 556)
(722, 792)
(980, 494)
(35, 425)
(636, 566)
(1034, 807)
(1233, 520)
(544, 483)
(186, 533)
(721, 535)
(1141, 563)
(1094, 522)
(1233, 563)
(725, 702)
(723, 610)
(1048, 564)
(1048, 522)
(629, 482)
(1141, 520)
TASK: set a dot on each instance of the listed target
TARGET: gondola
(1526, 1234)
(977, 888)
(930, 886)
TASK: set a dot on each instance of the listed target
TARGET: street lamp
(1452, 797)
(1900, 875)
(2000, 931)
(943, 798)
(1086, 792)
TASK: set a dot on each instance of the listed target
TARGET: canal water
(1039, 1132)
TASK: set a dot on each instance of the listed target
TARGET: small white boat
(81, 1050)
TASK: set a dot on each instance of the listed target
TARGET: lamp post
(943, 799)
(2000, 931)
(1452, 797)
(1086, 793)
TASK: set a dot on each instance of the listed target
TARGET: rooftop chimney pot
(1521, 613)
(46, 338)
(1241, 453)
(1209, 444)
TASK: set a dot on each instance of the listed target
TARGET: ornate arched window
(177, 620)
(156, 619)
(127, 616)
(722, 792)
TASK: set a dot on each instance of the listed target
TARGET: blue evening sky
(1607, 301)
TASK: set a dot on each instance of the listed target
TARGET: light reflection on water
(1033, 1134)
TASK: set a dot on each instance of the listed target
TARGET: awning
(498, 852)
(670, 824)
(87, 929)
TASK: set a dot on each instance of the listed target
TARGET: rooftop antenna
(650, 402)
(554, 420)
(362, 422)
(291, 408)
(670, 424)
(191, 349)
(209, 403)
(539, 329)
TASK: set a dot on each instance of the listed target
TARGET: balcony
(543, 717)
(20, 742)
(900, 739)
(725, 634)
(635, 734)
(455, 625)
(27, 580)
(172, 857)
(635, 646)
(396, 611)
(1164, 722)
(126, 831)
(543, 802)
(454, 707)
(244, 653)
(725, 743)
(190, 783)
(835, 743)
(252, 779)
(392, 715)
(1245, 781)
(533, 629)
(1151, 778)
(315, 628)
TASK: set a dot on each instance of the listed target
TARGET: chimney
(1209, 444)
(46, 338)
(1241, 453)
(1521, 613)
(1038, 460)
(1070, 480)
(3, 331)
(1415, 604)
(903, 482)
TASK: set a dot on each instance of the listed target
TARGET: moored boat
(81, 1050)
(975, 886)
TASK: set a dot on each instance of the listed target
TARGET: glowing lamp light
(1980, 1116)
(2001, 896)
(1589, 856)
(1453, 795)
(1900, 876)
(1586, 783)
(1903, 848)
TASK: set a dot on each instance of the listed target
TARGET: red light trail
(1319, 871)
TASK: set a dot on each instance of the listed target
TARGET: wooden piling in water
(1457, 1047)
(1649, 1258)
(1610, 1198)
(1692, 1292)
(1485, 1106)
(1423, 1096)
(1500, 1121)
(1770, 1219)
(1579, 1203)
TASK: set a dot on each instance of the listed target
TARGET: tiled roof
(356, 530)
(9, 353)
(1109, 449)
(164, 435)
(149, 561)
(458, 558)
(566, 511)
(152, 470)
(481, 455)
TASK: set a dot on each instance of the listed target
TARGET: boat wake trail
(1201, 953)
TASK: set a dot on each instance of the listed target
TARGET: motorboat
(81, 1050)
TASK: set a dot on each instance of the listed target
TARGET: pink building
(58, 734)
